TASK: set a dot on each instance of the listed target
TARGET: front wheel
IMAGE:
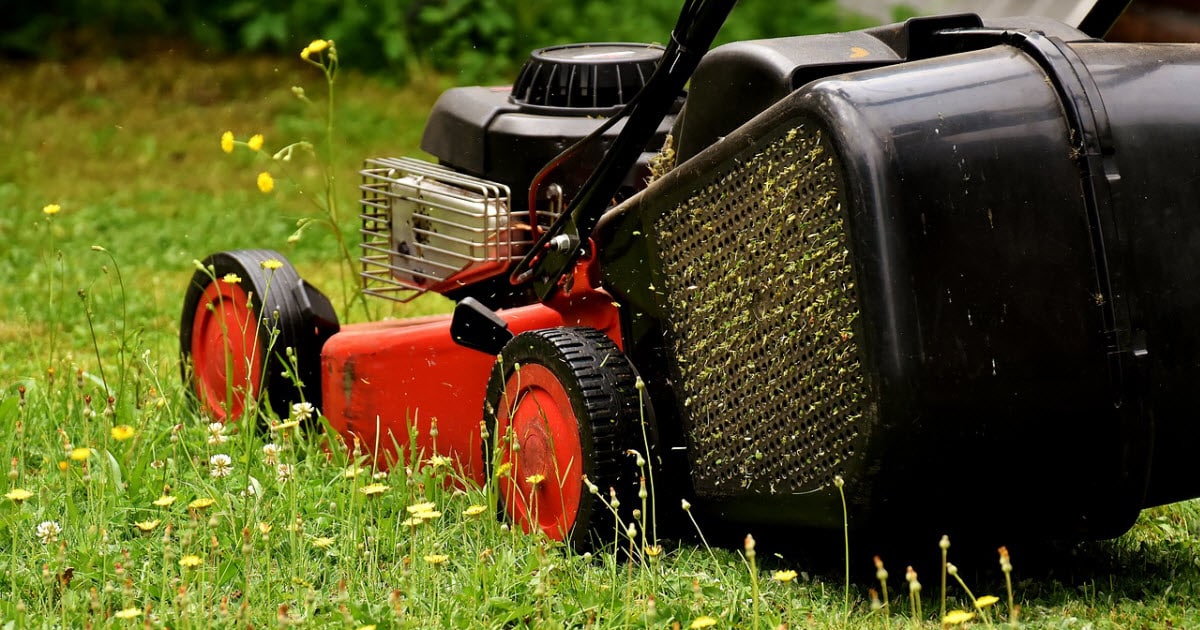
(562, 404)
(241, 314)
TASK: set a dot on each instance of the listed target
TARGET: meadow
(123, 506)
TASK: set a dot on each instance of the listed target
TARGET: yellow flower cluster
(317, 46)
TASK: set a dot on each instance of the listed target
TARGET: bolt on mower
(947, 262)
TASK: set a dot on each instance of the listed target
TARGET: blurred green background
(476, 40)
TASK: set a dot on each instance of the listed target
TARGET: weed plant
(123, 506)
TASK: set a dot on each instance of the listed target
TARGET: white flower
(379, 475)
(220, 465)
(48, 531)
(216, 433)
(283, 473)
(271, 453)
(302, 411)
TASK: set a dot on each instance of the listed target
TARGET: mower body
(947, 263)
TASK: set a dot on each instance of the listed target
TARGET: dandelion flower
(703, 621)
(504, 469)
(51, 209)
(367, 627)
(63, 465)
(436, 559)
(255, 142)
(412, 521)
(220, 465)
(48, 531)
(283, 473)
(785, 576)
(80, 454)
(266, 183)
(374, 489)
(147, 526)
(352, 472)
(439, 461)
(216, 433)
(164, 501)
(957, 617)
(265, 528)
(323, 542)
(428, 515)
(301, 411)
(474, 510)
(271, 452)
(123, 432)
(201, 503)
(18, 495)
(227, 142)
(128, 613)
(535, 480)
(191, 561)
(421, 507)
(231, 278)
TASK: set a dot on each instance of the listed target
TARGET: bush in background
(479, 40)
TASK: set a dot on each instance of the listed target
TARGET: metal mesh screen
(762, 306)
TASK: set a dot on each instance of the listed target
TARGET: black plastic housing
(1020, 225)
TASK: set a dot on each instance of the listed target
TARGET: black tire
(288, 313)
(600, 387)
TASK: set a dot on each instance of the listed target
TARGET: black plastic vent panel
(762, 307)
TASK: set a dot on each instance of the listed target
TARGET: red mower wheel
(563, 403)
(239, 317)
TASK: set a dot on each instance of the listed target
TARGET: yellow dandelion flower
(323, 542)
(255, 142)
(128, 613)
(986, 600)
(374, 489)
(51, 209)
(80, 454)
(412, 521)
(63, 465)
(201, 503)
(421, 507)
(18, 495)
(957, 617)
(535, 480)
(266, 183)
(147, 526)
(428, 515)
(654, 551)
(504, 469)
(264, 528)
(227, 142)
(231, 278)
(164, 501)
(191, 561)
(474, 510)
(367, 627)
(123, 432)
(703, 621)
(436, 559)
(784, 576)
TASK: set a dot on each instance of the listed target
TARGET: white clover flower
(271, 452)
(220, 465)
(216, 433)
(302, 411)
(283, 473)
(48, 531)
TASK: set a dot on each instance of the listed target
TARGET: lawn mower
(942, 267)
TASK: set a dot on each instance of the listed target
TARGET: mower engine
(945, 263)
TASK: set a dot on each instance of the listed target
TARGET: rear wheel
(240, 316)
(562, 403)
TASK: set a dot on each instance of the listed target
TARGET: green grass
(130, 152)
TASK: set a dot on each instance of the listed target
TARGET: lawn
(140, 512)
